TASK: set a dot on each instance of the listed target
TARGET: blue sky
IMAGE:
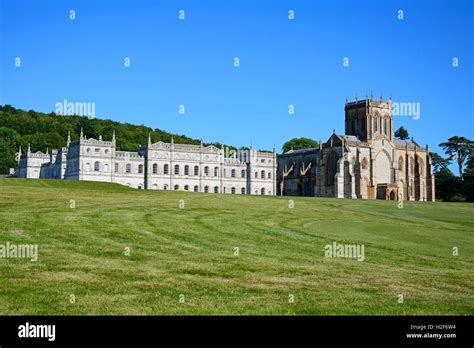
(282, 62)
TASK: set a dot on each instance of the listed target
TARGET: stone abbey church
(365, 163)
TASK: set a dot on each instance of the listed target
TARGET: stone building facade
(157, 166)
(366, 162)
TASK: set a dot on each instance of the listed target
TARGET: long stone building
(366, 162)
(157, 166)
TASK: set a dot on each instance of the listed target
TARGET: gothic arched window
(400, 163)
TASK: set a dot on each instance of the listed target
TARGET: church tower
(369, 119)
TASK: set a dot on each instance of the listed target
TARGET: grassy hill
(190, 251)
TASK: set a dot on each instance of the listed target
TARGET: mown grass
(190, 251)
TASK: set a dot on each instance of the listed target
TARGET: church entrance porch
(387, 191)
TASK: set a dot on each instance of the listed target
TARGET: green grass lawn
(191, 251)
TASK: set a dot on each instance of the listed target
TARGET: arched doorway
(392, 195)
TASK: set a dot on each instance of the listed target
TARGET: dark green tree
(438, 162)
(9, 142)
(458, 149)
(299, 143)
(469, 179)
(401, 133)
(448, 186)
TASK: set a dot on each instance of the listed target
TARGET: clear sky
(191, 62)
